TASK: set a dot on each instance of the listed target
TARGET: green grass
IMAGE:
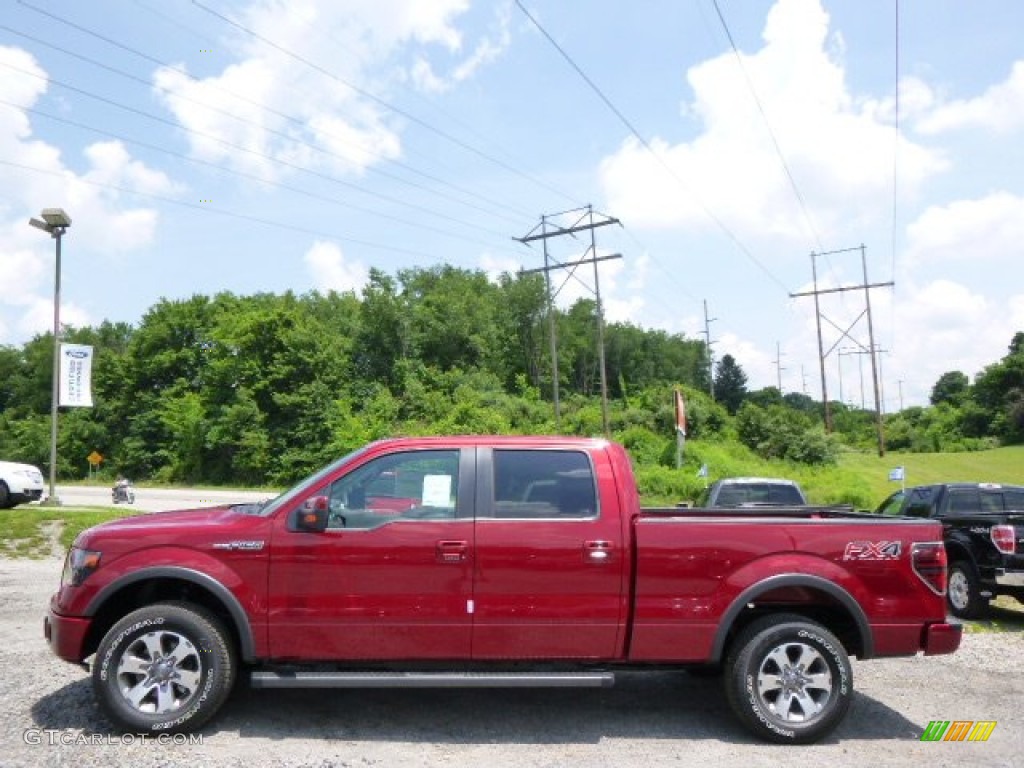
(35, 532)
(1004, 615)
(1000, 465)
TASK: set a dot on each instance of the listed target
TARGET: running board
(261, 679)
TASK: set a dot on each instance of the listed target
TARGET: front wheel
(964, 592)
(788, 679)
(6, 502)
(165, 668)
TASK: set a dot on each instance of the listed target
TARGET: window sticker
(437, 490)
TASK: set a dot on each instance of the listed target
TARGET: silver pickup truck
(752, 492)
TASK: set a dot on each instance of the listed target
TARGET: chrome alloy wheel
(159, 672)
(794, 683)
(958, 589)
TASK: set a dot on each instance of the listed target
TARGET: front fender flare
(238, 615)
(751, 593)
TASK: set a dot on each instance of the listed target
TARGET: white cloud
(331, 271)
(1000, 109)
(318, 114)
(980, 231)
(944, 326)
(102, 224)
(495, 265)
(837, 148)
(487, 50)
(756, 364)
(112, 165)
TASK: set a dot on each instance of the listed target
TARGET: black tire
(963, 593)
(199, 669)
(818, 685)
(5, 496)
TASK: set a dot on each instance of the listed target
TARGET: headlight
(78, 565)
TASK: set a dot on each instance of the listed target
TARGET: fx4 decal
(873, 550)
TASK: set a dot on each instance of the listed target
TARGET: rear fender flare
(751, 593)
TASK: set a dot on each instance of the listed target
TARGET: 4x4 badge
(249, 545)
(873, 550)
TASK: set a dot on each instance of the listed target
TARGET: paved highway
(158, 499)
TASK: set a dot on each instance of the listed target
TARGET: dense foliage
(264, 389)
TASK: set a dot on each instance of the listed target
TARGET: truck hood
(200, 528)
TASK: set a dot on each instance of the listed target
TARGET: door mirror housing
(311, 517)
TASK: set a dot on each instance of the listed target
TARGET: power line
(244, 175)
(768, 126)
(222, 211)
(269, 110)
(379, 101)
(256, 153)
(895, 162)
(646, 145)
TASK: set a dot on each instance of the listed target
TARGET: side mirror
(311, 517)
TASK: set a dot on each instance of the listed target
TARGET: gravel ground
(655, 719)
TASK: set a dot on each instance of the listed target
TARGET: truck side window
(413, 485)
(1014, 499)
(893, 504)
(967, 501)
(543, 484)
(920, 502)
(991, 501)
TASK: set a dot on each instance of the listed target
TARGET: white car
(19, 483)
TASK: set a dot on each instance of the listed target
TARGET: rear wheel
(964, 592)
(164, 668)
(5, 496)
(788, 679)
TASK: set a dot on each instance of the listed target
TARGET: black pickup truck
(983, 529)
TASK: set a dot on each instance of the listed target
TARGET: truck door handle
(451, 551)
(597, 551)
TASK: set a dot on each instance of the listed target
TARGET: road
(158, 499)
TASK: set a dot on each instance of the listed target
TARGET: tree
(998, 388)
(951, 388)
(730, 384)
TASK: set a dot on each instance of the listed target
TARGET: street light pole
(55, 222)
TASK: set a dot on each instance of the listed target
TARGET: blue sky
(262, 146)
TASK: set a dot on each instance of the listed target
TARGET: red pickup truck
(493, 561)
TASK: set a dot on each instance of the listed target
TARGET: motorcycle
(123, 491)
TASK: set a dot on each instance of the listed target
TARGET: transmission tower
(580, 220)
(870, 349)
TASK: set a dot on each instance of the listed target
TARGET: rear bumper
(1006, 578)
(66, 635)
(941, 638)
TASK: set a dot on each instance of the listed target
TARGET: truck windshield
(739, 494)
(274, 504)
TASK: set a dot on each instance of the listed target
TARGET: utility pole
(552, 327)
(778, 366)
(583, 221)
(845, 333)
(803, 378)
(707, 343)
(874, 361)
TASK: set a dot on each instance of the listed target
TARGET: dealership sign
(76, 375)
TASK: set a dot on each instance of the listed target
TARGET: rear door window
(963, 501)
(1014, 499)
(991, 501)
(543, 484)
